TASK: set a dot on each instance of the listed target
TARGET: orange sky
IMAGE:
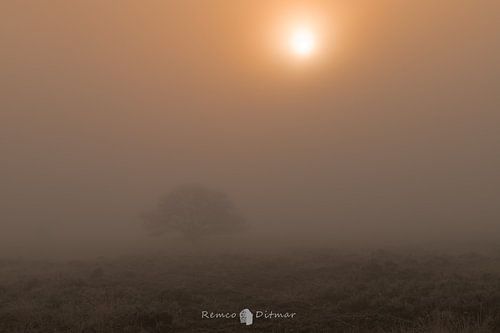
(105, 105)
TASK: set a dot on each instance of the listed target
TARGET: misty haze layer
(105, 106)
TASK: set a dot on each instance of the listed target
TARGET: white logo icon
(246, 317)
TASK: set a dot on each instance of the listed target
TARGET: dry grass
(330, 293)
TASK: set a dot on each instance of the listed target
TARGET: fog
(390, 136)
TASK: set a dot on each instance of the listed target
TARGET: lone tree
(195, 212)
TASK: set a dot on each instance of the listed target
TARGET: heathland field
(326, 292)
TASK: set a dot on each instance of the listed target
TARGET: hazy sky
(391, 129)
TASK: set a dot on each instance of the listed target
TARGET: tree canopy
(195, 212)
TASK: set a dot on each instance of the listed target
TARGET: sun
(301, 36)
(302, 42)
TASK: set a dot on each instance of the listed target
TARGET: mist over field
(140, 139)
(392, 136)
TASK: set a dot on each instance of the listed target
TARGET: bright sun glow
(302, 36)
(302, 42)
